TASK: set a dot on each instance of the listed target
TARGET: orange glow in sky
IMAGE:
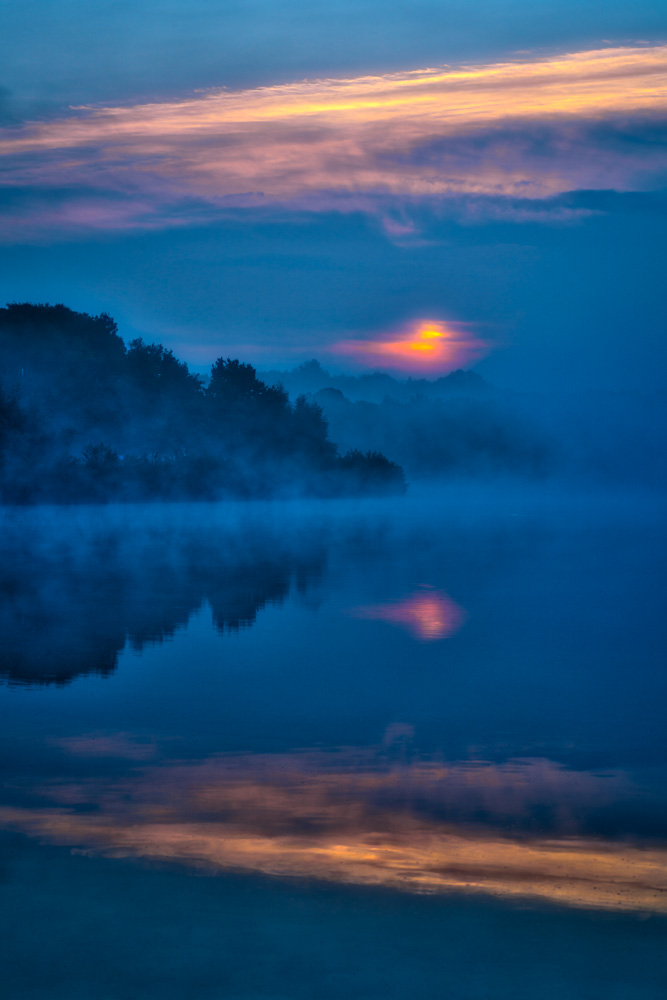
(427, 615)
(351, 141)
(427, 346)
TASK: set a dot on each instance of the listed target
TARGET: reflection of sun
(427, 615)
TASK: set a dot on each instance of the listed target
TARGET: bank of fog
(461, 425)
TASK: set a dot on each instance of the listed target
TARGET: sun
(426, 346)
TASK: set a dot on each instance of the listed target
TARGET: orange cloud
(410, 134)
(427, 347)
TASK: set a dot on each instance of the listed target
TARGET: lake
(376, 748)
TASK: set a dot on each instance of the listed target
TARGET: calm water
(408, 748)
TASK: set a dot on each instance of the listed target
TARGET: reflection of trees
(69, 603)
(244, 590)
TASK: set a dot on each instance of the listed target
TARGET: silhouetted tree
(155, 370)
(234, 381)
(372, 472)
(160, 433)
(312, 431)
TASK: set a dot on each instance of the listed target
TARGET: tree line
(86, 418)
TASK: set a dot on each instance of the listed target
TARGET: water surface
(366, 748)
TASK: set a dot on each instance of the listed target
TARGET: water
(379, 748)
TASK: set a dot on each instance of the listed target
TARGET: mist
(85, 417)
(445, 697)
(462, 425)
(333, 545)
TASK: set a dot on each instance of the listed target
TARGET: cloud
(529, 129)
(123, 745)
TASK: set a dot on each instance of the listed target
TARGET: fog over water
(453, 699)
(333, 549)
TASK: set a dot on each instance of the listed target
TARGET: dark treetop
(83, 417)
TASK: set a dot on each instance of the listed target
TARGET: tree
(234, 381)
(156, 370)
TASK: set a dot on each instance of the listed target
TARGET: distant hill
(461, 424)
(374, 387)
(456, 424)
(85, 417)
(455, 433)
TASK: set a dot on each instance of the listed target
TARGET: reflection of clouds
(427, 615)
(356, 817)
(473, 130)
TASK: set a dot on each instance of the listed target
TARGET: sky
(404, 186)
